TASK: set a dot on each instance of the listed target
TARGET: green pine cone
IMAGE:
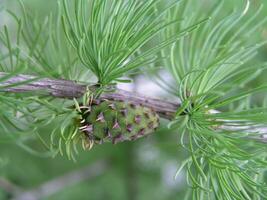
(117, 121)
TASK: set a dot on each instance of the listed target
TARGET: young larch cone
(117, 121)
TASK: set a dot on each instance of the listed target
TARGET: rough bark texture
(70, 89)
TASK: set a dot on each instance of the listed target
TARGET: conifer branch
(69, 89)
(212, 62)
(61, 88)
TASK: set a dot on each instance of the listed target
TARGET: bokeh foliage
(224, 36)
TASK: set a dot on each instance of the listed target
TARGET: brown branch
(55, 185)
(9, 187)
(70, 89)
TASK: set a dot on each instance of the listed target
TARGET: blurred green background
(139, 170)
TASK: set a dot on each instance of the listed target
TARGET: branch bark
(69, 89)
